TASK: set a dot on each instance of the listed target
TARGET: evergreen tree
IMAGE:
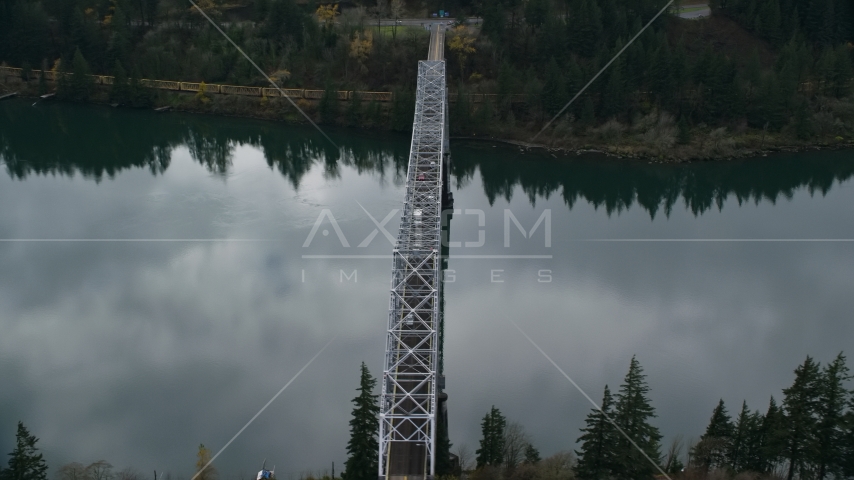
(711, 451)
(79, 84)
(403, 110)
(554, 91)
(825, 69)
(140, 95)
(632, 414)
(363, 447)
(753, 77)
(285, 23)
(831, 409)
(491, 451)
(791, 23)
(42, 82)
(751, 457)
(636, 62)
(536, 13)
(585, 27)
(818, 21)
(753, 70)
(848, 441)
(739, 448)
(120, 39)
(614, 96)
(120, 91)
(803, 120)
(551, 40)
(800, 405)
(494, 22)
(701, 68)
(374, 114)
(770, 108)
(25, 461)
(843, 21)
(328, 105)
(532, 455)
(260, 9)
(684, 134)
(574, 79)
(150, 7)
(721, 95)
(354, 110)
(770, 20)
(29, 33)
(588, 111)
(661, 73)
(773, 436)
(508, 82)
(598, 457)
(460, 112)
(680, 72)
(842, 71)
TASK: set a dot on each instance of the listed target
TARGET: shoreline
(624, 143)
(583, 151)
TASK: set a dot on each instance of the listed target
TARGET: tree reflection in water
(61, 139)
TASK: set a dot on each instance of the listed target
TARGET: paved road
(694, 14)
(426, 22)
(437, 43)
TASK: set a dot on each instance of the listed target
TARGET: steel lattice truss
(408, 401)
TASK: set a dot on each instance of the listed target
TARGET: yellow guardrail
(293, 92)
(53, 76)
(10, 72)
(166, 85)
(238, 90)
(376, 96)
(313, 94)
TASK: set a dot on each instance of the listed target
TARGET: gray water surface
(159, 284)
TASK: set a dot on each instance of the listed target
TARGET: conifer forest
(775, 66)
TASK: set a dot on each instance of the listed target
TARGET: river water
(161, 278)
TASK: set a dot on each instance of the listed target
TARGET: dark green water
(159, 282)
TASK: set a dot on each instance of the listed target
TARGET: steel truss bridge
(412, 407)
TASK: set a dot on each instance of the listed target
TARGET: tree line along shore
(809, 435)
(756, 75)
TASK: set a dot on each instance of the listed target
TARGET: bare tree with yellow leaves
(360, 48)
(327, 13)
(203, 470)
(461, 44)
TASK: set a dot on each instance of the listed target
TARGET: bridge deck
(408, 403)
(437, 43)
